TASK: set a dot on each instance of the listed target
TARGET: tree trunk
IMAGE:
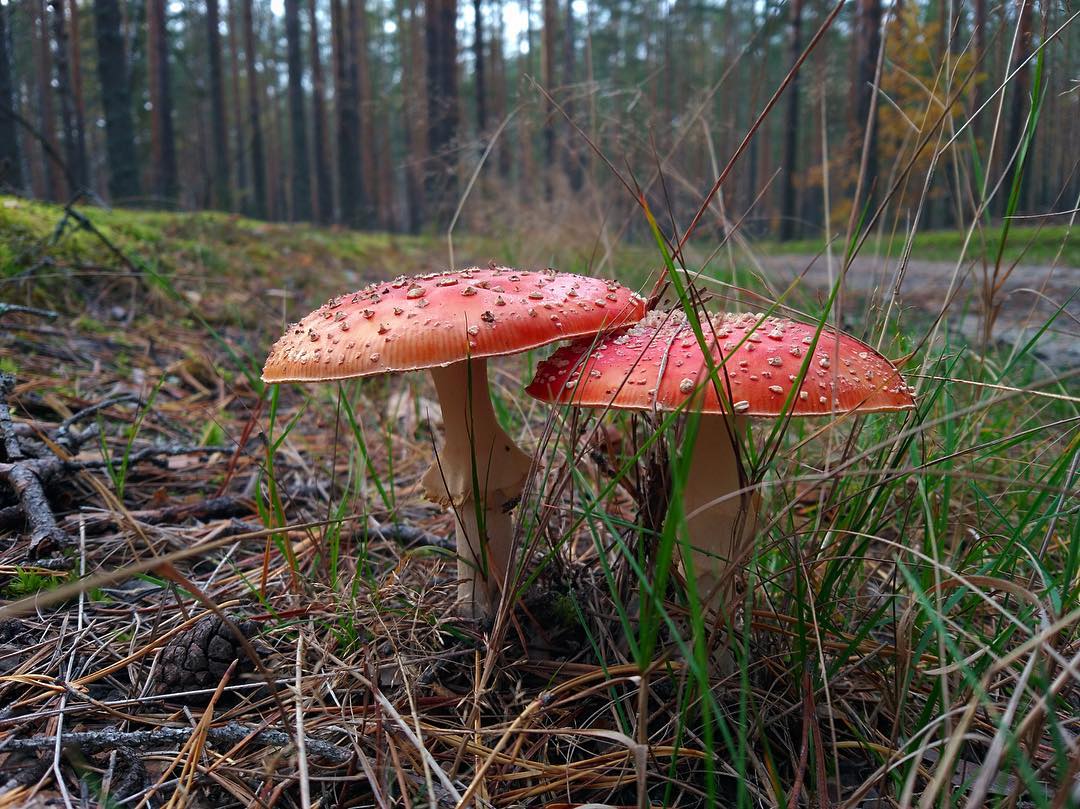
(868, 45)
(77, 92)
(116, 102)
(301, 180)
(385, 215)
(550, 24)
(412, 110)
(791, 130)
(63, 92)
(53, 175)
(955, 9)
(350, 191)
(364, 100)
(258, 158)
(203, 191)
(277, 179)
(218, 121)
(526, 147)
(481, 76)
(10, 165)
(499, 91)
(1020, 104)
(162, 136)
(980, 66)
(571, 157)
(241, 155)
(324, 190)
(441, 35)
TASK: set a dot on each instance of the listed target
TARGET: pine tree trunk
(571, 158)
(203, 192)
(1021, 89)
(868, 44)
(218, 122)
(481, 75)
(258, 158)
(412, 111)
(348, 122)
(53, 174)
(550, 24)
(63, 92)
(590, 77)
(979, 67)
(364, 100)
(441, 40)
(324, 195)
(116, 102)
(277, 186)
(527, 172)
(499, 91)
(301, 180)
(240, 151)
(162, 134)
(385, 185)
(10, 165)
(277, 179)
(791, 131)
(77, 93)
(955, 29)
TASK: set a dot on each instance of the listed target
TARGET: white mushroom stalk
(721, 519)
(479, 474)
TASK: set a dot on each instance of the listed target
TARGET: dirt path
(1029, 296)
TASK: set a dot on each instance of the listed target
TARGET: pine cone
(12, 630)
(199, 657)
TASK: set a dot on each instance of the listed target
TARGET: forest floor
(180, 493)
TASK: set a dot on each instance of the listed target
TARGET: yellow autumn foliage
(916, 86)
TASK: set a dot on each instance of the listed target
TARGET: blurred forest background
(375, 114)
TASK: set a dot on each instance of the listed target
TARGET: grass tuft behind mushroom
(450, 323)
(767, 367)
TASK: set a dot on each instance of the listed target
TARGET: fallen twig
(65, 426)
(25, 477)
(85, 224)
(409, 535)
(216, 508)
(153, 454)
(14, 308)
(229, 735)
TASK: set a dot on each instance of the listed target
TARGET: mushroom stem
(479, 475)
(720, 523)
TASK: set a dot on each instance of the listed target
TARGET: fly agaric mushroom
(658, 365)
(450, 323)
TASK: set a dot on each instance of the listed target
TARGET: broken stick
(23, 475)
(228, 735)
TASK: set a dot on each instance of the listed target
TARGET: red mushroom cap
(442, 318)
(659, 364)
